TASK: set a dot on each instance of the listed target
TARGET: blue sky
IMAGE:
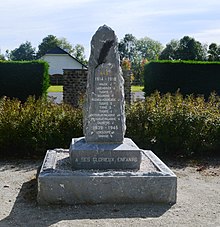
(77, 20)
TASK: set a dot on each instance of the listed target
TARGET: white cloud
(208, 36)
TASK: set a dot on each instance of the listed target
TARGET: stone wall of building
(74, 86)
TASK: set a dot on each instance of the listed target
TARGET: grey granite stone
(102, 156)
(104, 114)
(104, 167)
(59, 184)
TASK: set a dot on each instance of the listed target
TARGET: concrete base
(104, 156)
(59, 184)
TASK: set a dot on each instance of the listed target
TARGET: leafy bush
(35, 126)
(172, 125)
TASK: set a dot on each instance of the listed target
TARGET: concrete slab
(104, 156)
(59, 184)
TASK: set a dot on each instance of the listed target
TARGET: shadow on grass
(26, 211)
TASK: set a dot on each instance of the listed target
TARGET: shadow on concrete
(26, 211)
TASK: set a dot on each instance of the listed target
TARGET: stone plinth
(101, 156)
(59, 184)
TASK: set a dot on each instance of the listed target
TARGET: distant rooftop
(57, 50)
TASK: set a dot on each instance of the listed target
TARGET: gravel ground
(198, 202)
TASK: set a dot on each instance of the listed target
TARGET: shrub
(190, 77)
(172, 125)
(20, 79)
(35, 126)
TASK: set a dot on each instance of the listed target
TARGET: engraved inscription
(105, 122)
(105, 91)
(95, 160)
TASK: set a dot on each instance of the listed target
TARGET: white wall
(59, 62)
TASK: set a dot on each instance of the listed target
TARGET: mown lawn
(137, 88)
(59, 88)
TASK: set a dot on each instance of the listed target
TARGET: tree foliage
(214, 52)
(2, 57)
(79, 53)
(47, 44)
(138, 51)
(52, 41)
(169, 52)
(186, 48)
(65, 45)
(24, 52)
(127, 47)
(148, 48)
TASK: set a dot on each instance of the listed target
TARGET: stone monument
(103, 166)
(104, 146)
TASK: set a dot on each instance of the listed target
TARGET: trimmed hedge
(189, 77)
(21, 79)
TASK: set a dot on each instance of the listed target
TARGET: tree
(78, 53)
(47, 44)
(65, 45)
(127, 47)
(190, 49)
(148, 48)
(138, 51)
(52, 41)
(214, 52)
(24, 52)
(186, 48)
(169, 52)
(2, 57)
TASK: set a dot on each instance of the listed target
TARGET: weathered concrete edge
(51, 190)
(158, 163)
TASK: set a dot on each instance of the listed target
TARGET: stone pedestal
(101, 156)
(58, 183)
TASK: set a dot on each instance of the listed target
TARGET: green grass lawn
(137, 88)
(59, 88)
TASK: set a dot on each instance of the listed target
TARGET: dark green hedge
(20, 79)
(190, 77)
